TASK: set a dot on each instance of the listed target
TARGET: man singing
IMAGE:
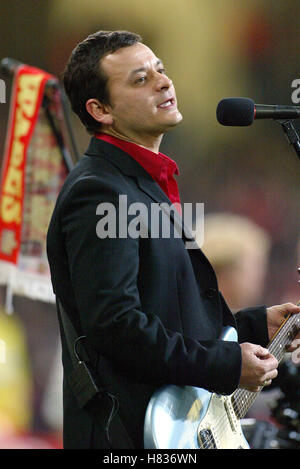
(150, 309)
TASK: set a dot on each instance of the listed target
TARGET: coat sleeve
(252, 325)
(104, 273)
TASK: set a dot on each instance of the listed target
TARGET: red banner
(27, 95)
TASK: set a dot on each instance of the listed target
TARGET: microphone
(243, 111)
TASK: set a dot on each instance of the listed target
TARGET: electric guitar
(186, 417)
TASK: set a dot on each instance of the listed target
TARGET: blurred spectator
(15, 379)
(238, 249)
(298, 252)
(52, 407)
(17, 389)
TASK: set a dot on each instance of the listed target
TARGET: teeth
(167, 103)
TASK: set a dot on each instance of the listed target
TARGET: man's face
(142, 97)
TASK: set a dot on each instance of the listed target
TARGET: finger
(262, 352)
(288, 308)
(269, 361)
(267, 382)
(270, 364)
(269, 376)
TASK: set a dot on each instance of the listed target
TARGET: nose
(163, 81)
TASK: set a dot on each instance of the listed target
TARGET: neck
(150, 142)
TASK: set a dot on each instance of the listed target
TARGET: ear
(99, 111)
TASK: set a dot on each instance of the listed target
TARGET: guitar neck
(243, 399)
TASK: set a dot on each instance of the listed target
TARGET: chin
(175, 121)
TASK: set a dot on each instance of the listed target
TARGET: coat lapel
(145, 182)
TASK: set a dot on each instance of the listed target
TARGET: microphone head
(236, 111)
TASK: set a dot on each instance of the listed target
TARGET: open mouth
(166, 104)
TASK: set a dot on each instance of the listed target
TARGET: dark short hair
(83, 78)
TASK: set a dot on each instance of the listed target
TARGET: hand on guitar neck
(276, 315)
(259, 366)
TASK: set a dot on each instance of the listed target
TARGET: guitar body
(186, 417)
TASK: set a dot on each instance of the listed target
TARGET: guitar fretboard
(243, 399)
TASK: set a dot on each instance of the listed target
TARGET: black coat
(150, 308)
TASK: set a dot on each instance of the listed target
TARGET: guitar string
(277, 348)
(210, 440)
(247, 397)
(243, 399)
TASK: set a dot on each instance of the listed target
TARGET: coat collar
(127, 165)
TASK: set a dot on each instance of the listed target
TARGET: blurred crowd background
(247, 178)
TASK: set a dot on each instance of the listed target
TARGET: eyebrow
(143, 69)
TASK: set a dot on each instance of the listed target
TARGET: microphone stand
(291, 134)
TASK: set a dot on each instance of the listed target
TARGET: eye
(162, 70)
(141, 79)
